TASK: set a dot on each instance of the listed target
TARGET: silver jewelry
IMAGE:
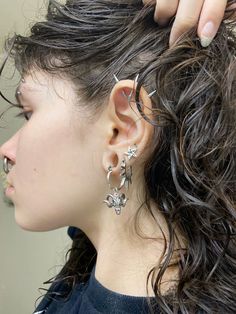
(116, 78)
(18, 92)
(118, 199)
(126, 175)
(131, 152)
(131, 93)
(115, 199)
(152, 93)
(126, 172)
(136, 78)
(5, 165)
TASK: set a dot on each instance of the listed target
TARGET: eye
(24, 114)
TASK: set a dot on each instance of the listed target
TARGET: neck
(124, 259)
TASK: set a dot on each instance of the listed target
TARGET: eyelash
(23, 114)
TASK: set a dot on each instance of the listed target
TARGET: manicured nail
(208, 33)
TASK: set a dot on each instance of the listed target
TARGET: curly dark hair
(191, 171)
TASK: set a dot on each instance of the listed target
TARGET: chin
(30, 225)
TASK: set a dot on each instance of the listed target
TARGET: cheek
(54, 176)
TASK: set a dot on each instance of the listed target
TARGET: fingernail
(208, 33)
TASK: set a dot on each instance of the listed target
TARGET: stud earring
(131, 152)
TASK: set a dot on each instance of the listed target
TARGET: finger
(211, 17)
(187, 17)
(165, 10)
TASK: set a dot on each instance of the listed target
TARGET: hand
(207, 13)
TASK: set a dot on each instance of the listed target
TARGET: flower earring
(117, 199)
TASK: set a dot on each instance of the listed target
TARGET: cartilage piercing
(116, 78)
(117, 199)
(152, 93)
(136, 78)
(131, 93)
(131, 152)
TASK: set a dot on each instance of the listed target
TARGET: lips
(9, 190)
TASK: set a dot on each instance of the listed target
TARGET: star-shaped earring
(131, 152)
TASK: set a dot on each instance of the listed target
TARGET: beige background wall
(26, 258)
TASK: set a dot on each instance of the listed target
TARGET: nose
(8, 149)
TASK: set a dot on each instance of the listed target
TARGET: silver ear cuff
(117, 199)
(131, 93)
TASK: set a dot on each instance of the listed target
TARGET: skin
(187, 14)
(60, 162)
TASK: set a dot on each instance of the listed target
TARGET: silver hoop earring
(115, 199)
(5, 165)
(118, 199)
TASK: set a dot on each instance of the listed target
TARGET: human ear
(125, 126)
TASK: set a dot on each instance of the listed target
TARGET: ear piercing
(116, 199)
(135, 81)
(18, 92)
(131, 152)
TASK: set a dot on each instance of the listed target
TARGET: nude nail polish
(207, 35)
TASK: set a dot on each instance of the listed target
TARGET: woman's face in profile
(56, 156)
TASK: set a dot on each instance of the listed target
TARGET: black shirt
(91, 298)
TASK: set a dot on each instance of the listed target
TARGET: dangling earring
(126, 172)
(118, 199)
